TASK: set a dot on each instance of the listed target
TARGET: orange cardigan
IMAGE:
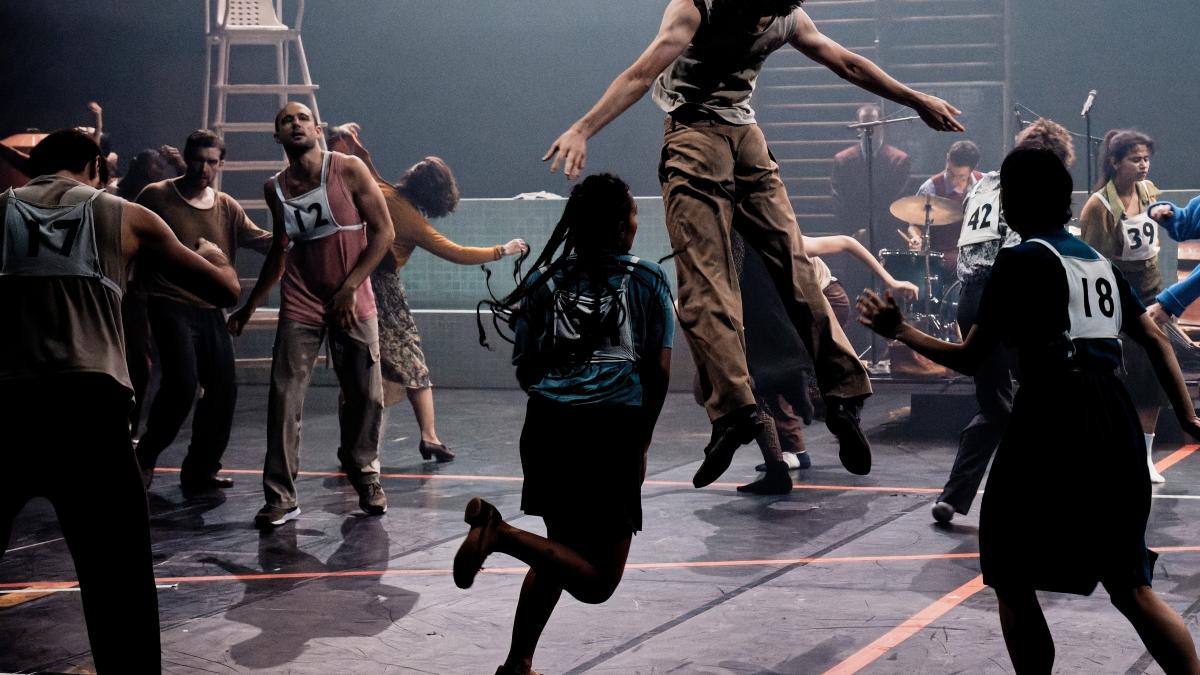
(413, 230)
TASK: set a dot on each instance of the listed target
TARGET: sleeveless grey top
(62, 276)
(719, 69)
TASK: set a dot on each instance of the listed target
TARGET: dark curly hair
(1048, 134)
(430, 186)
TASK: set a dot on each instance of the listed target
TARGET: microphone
(1017, 114)
(1087, 105)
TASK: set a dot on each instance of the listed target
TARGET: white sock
(1155, 476)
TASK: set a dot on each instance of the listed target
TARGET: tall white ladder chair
(253, 23)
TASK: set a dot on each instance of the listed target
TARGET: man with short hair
(953, 183)
(331, 229)
(717, 174)
(194, 347)
(891, 170)
(64, 385)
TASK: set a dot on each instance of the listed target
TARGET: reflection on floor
(845, 572)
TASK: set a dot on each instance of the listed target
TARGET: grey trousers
(355, 355)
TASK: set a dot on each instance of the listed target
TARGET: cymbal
(942, 211)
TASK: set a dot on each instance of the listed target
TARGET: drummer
(951, 183)
(928, 269)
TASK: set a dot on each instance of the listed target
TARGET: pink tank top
(316, 268)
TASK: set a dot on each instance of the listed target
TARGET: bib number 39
(1136, 233)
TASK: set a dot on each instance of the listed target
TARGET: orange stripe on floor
(518, 479)
(14, 599)
(778, 562)
(919, 621)
(775, 562)
(1175, 457)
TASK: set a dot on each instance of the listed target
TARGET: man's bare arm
(680, 22)
(380, 234)
(864, 73)
(272, 267)
(205, 271)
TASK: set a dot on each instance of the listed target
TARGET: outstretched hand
(514, 247)
(1191, 427)
(569, 150)
(1162, 214)
(907, 289)
(881, 315)
(938, 114)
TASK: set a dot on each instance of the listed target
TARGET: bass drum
(948, 313)
(910, 266)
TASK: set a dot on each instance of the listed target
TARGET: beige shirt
(224, 224)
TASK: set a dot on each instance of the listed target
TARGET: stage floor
(844, 574)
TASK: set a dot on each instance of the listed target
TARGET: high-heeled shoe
(431, 450)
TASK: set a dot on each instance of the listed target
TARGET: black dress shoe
(485, 521)
(729, 433)
(206, 483)
(777, 481)
(841, 416)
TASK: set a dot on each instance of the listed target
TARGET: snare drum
(910, 266)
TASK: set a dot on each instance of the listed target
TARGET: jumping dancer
(718, 175)
(593, 331)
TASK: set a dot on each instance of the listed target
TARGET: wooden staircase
(951, 48)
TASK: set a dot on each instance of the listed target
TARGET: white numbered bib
(309, 216)
(51, 241)
(1140, 235)
(981, 213)
(1095, 303)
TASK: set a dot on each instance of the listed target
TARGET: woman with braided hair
(592, 346)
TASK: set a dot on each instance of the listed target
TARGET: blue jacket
(1183, 225)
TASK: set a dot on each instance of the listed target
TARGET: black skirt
(1068, 496)
(583, 464)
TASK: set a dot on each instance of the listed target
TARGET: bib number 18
(1104, 297)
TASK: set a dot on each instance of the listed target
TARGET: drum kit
(935, 309)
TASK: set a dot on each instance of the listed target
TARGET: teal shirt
(568, 313)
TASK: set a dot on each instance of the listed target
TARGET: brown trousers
(718, 177)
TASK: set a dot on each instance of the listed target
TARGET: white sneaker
(789, 458)
(943, 512)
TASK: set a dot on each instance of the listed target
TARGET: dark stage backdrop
(488, 84)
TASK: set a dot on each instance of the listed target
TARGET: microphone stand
(1087, 117)
(1088, 138)
(867, 143)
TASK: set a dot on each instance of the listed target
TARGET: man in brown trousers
(717, 174)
